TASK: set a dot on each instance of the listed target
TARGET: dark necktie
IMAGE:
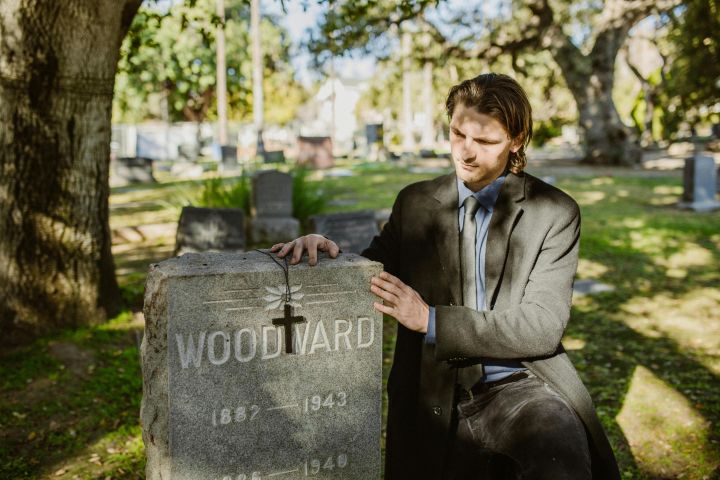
(469, 375)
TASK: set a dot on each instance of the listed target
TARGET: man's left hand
(400, 302)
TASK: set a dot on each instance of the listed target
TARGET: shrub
(216, 193)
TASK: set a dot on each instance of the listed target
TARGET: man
(479, 266)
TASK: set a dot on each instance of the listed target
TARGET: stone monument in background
(250, 374)
(203, 229)
(352, 231)
(272, 221)
(700, 184)
(316, 152)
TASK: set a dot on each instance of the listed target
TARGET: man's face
(480, 147)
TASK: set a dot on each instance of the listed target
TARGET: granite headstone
(229, 157)
(202, 229)
(352, 231)
(700, 184)
(130, 170)
(227, 395)
(272, 206)
(316, 152)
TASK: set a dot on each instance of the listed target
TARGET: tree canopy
(582, 38)
(169, 56)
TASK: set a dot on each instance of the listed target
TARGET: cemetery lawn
(649, 351)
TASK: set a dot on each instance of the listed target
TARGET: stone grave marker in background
(316, 152)
(700, 184)
(228, 395)
(352, 231)
(203, 229)
(229, 158)
(272, 204)
(129, 170)
(273, 156)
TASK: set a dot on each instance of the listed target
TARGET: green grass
(649, 351)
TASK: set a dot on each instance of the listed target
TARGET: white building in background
(331, 112)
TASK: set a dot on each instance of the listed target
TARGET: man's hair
(501, 97)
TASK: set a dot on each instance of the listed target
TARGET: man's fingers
(312, 247)
(276, 247)
(385, 295)
(385, 285)
(332, 248)
(383, 308)
(297, 251)
(286, 248)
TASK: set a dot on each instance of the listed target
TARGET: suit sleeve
(384, 248)
(532, 328)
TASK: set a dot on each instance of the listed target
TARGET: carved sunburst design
(278, 297)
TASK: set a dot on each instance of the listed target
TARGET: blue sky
(297, 22)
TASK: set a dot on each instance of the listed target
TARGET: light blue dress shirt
(487, 196)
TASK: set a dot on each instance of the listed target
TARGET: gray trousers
(518, 430)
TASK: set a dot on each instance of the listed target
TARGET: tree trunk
(57, 71)
(590, 78)
(608, 141)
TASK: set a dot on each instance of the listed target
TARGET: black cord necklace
(286, 270)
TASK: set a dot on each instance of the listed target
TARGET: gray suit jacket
(531, 260)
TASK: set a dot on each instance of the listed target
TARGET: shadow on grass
(634, 246)
(75, 395)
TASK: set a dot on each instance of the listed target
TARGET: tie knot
(471, 205)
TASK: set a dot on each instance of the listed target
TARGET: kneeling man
(479, 267)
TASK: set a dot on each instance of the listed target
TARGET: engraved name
(266, 342)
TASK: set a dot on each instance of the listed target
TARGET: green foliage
(308, 199)
(218, 193)
(693, 79)
(544, 131)
(73, 395)
(168, 65)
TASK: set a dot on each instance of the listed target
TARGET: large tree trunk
(57, 71)
(590, 77)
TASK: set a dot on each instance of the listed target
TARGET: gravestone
(374, 133)
(352, 231)
(700, 184)
(129, 170)
(272, 206)
(228, 395)
(202, 229)
(273, 156)
(228, 157)
(315, 151)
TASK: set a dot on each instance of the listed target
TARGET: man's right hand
(308, 243)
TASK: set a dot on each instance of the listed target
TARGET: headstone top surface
(214, 263)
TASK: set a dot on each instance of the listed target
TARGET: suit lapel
(447, 236)
(506, 213)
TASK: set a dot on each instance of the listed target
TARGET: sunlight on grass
(666, 434)
(668, 190)
(691, 320)
(633, 222)
(590, 269)
(572, 343)
(602, 181)
(118, 454)
(691, 255)
(590, 198)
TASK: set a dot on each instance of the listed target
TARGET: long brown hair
(501, 97)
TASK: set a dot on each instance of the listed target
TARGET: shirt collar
(487, 196)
